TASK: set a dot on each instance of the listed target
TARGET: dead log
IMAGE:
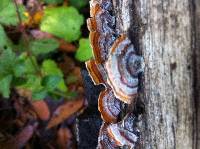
(167, 34)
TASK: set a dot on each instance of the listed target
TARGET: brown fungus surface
(125, 133)
(116, 65)
(101, 26)
(109, 106)
(104, 141)
(95, 71)
(123, 67)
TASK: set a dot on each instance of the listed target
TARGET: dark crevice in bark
(117, 13)
(195, 20)
(174, 135)
(134, 31)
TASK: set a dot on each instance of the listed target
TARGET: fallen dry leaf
(24, 93)
(42, 109)
(37, 34)
(77, 73)
(23, 137)
(64, 137)
(66, 46)
(67, 65)
(65, 111)
(24, 112)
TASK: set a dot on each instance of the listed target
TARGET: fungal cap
(104, 142)
(108, 106)
(122, 69)
(94, 72)
(125, 132)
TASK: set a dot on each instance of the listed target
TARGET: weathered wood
(169, 43)
(168, 76)
(196, 33)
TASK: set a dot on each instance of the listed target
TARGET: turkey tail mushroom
(96, 71)
(125, 133)
(116, 65)
(109, 106)
(104, 142)
(123, 66)
(101, 26)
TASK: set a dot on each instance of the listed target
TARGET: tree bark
(167, 34)
(196, 34)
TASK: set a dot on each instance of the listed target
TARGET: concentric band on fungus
(101, 33)
(94, 72)
(104, 142)
(123, 71)
(125, 132)
(109, 106)
(116, 65)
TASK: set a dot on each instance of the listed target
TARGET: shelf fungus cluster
(116, 65)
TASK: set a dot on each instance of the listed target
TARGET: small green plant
(63, 22)
(84, 51)
(19, 65)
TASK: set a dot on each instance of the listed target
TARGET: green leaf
(64, 22)
(72, 94)
(21, 46)
(7, 61)
(3, 38)
(30, 63)
(33, 83)
(5, 85)
(19, 69)
(79, 4)
(5, 42)
(22, 11)
(43, 46)
(39, 95)
(51, 82)
(8, 13)
(25, 65)
(53, 1)
(62, 86)
(18, 81)
(84, 51)
(49, 67)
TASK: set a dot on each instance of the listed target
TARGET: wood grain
(167, 33)
(196, 54)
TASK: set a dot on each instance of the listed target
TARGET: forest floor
(43, 46)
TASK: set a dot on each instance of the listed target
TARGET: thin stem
(55, 92)
(26, 39)
(18, 13)
(37, 68)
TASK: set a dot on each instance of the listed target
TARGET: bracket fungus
(109, 106)
(101, 26)
(104, 141)
(96, 72)
(123, 67)
(116, 65)
(125, 132)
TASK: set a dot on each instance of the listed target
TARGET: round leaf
(84, 51)
(64, 22)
